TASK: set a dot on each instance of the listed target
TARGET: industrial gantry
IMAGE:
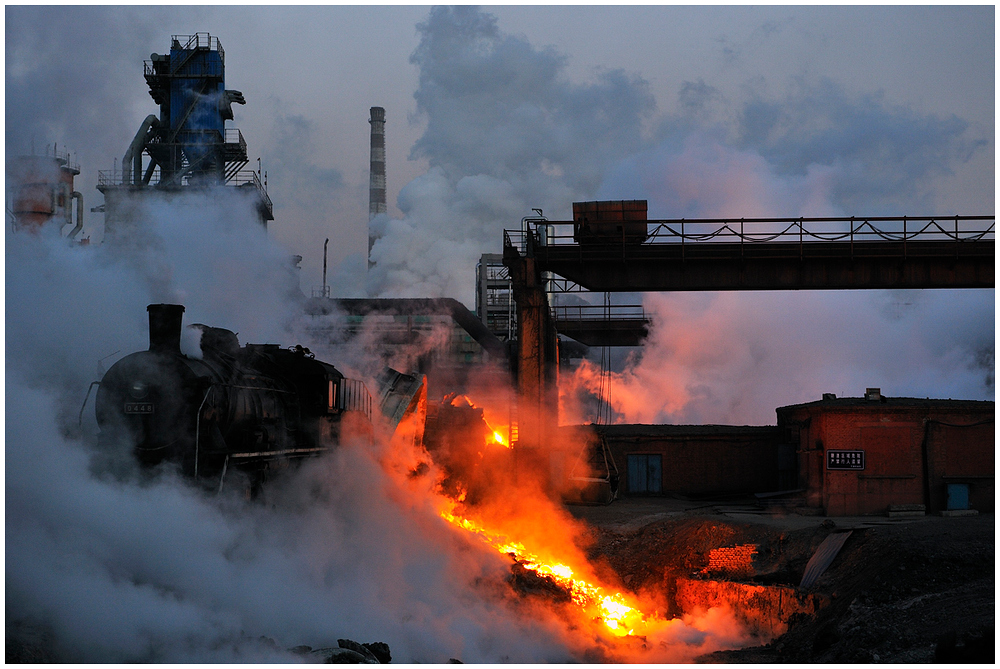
(612, 247)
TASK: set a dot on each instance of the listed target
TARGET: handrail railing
(63, 156)
(234, 136)
(516, 239)
(190, 43)
(241, 178)
(247, 177)
(202, 40)
(764, 230)
(592, 312)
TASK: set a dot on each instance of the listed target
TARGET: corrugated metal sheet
(823, 558)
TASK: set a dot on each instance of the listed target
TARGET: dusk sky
(309, 75)
(702, 111)
(491, 112)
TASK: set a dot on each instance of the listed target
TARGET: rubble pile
(913, 590)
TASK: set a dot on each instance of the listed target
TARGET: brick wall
(735, 459)
(913, 449)
(734, 561)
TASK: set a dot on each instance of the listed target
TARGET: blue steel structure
(187, 145)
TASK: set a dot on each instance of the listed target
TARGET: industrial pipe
(76, 195)
(134, 152)
(325, 244)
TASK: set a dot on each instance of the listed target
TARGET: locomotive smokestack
(165, 327)
(376, 182)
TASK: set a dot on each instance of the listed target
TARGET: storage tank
(43, 191)
(610, 222)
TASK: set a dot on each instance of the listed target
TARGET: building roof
(639, 430)
(893, 402)
(414, 306)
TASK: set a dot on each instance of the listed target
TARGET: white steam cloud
(732, 359)
(507, 132)
(115, 569)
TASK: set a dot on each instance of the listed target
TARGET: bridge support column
(537, 359)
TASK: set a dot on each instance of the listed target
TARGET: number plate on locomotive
(139, 407)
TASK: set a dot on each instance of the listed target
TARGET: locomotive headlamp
(138, 389)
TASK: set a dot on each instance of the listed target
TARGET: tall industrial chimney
(376, 183)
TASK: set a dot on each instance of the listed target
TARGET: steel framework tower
(188, 146)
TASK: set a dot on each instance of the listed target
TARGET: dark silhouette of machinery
(253, 408)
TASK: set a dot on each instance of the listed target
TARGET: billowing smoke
(506, 132)
(110, 567)
(105, 564)
(734, 357)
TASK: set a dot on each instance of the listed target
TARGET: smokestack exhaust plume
(376, 182)
(165, 327)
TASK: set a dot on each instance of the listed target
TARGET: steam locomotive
(252, 409)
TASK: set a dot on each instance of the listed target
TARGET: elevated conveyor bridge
(770, 254)
(631, 254)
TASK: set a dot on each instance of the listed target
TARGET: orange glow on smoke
(510, 500)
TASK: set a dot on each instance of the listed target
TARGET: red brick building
(859, 456)
(847, 456)
(699, 459)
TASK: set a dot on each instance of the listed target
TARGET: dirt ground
(900, 590)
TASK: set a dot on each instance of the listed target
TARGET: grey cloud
(886, 153)
(868, 157)
(497, 105)
(506, 132)
(64, 68)
(296, 171)
(697, 100)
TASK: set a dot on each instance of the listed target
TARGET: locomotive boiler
(253, 408)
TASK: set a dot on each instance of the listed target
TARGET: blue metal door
(645, 472)
(958, 496)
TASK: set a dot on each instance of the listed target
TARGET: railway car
(254, 408)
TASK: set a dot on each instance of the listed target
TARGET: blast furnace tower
(376, 181)
(187, 148)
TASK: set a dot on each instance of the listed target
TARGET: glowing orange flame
(619, 616)
(497, 432)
